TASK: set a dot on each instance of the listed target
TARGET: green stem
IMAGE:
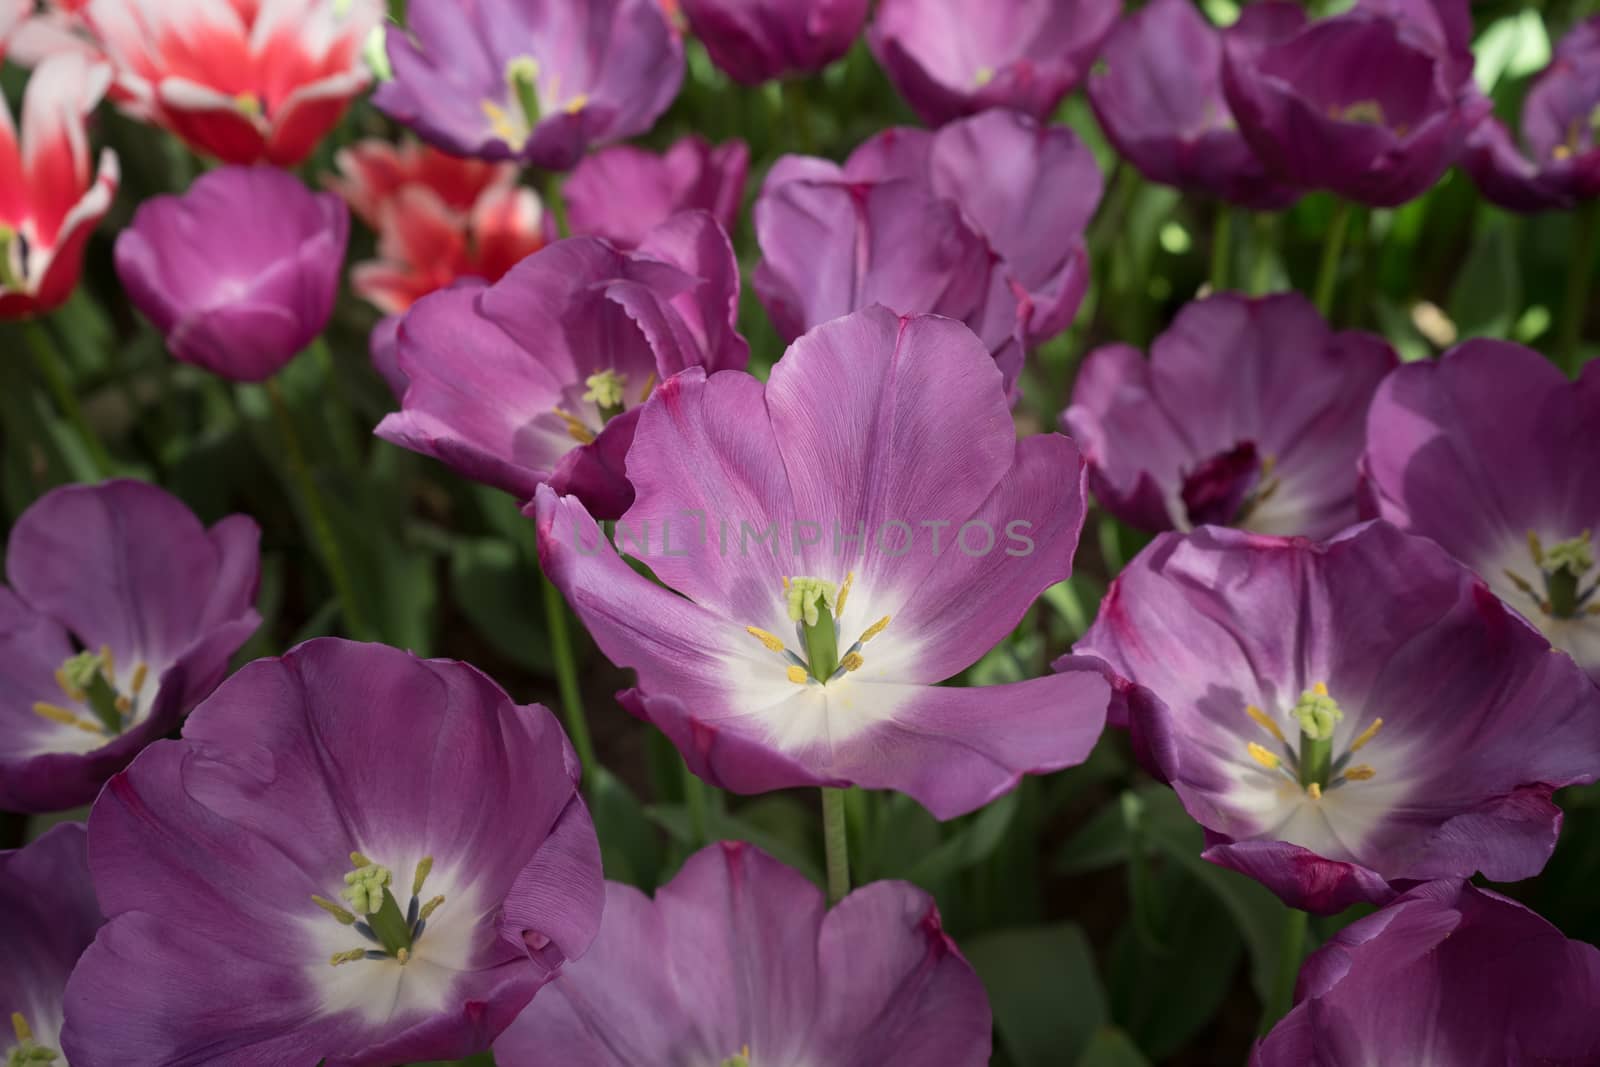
(1291, 954)
(694, 797)
(555, 613)
(339, 411)
(798, 109)
(1332, 252)
(555, 203)
(1263, 230)
(1586, 244)
(835, 844)
(47, 358)
(1221, 248)
(321, 528)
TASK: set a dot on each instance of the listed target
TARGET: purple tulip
(1158, 95)
(48, 916)
(1480, 451)
(1249, 413)
(739, 956)
(240, 273)
(538, 81)
(1562, 166)
(623, 193)
(950, 58)
(1447, 974)
(873, 490)
(353, 856)
(755, 41)
(1349, 717)
(121, 613)
(1366, 104)
(539, 377)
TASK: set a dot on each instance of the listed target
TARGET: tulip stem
(694, 798)
(798, 109)
(1221, 248)
(835, 844)
(1291, 955)
(555, 613)
(1586, 244)
(316, 513)
(1332, 254)
(1263, 230)
(47, 358)
(555, 203)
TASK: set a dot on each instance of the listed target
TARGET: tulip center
(1565, 569)
(1226, 489)
(814, 606)
(1311, 765)
(27, 1052)
(375, 913)
(88, 680)
(515, 122)
(607, 391)
(740, 1059)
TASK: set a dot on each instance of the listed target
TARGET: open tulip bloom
(48, 916)
(408, 847)
(860, 528)
(623, 192)
(540, 377)
(1349, 717)
(1447, 974)
(1250, 412)
(739, 961)
(50, 198)
(119, 615)
(538, 81)
(1478, 452)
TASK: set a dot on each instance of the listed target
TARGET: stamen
(403, 956)
(982, 77)
(424, 868)
(605, 392)
(359, 860)
(1314, 791)
(575, 427)
(123, 705)
(333, 909)
(1360, 773)
(875, 629)
(500, 123)
(1261, 720)
(577, 103)
(852, 661)
(1263, 756)
(108, 662)
(66, 718)
(20, 1027)
(1366, 735)
(73, 693)
(430, 907)
(348, 957)
(844, 592)
(772, 641)
(798, 675)
(140, 672)
(1535, 548)
(649, 387)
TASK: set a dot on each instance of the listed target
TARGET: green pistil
(367, 890)
(605, 393)
(522, 75)
(86, 672)
(27, 1053)
(811, 604)
(1369, 112)
(1318, 714)
(1565, 566)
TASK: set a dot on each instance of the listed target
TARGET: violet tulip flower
(844, 537)
(623, 193)
(950, 58)
(1250, 412)
(119, 615)
(240, 273)
(48, 916)
(1480, 451)
(756, 41)
(1560, 128)
(537, 81)
(739, 960)
(539, 378)
(353, 856)
(1365, 104)
(1157, 92)
(1349, 717)
(1448, 973)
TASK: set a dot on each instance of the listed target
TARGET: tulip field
(799, 533)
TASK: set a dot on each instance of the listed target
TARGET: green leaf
(630, 844)
(674, 818)
(1043, 988)
(1487, 295)
(977, 838)
(496, 586)
(1111, 1047)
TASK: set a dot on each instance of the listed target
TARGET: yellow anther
(1536, 548)
(1560, 152)
(1366, 735)
(875, 629)
(844, 592)
(1314, 791)
(577, 103)
(123, 705)
(785, 583)
(333, 909)
(431, 906)
(983, 77)
(19, 1026)
(852, 661)
(403, 956)
(424, 868)
(773, 642)
(575, 428)
(139, 674)
(797, 675)
(72, 692)
(108, 663)
(649, 387)
(1360, 773)
(61, 715)
(348, 957)
(1261, 720)
(359, 860)
(1321, 689)
(1263, 756)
